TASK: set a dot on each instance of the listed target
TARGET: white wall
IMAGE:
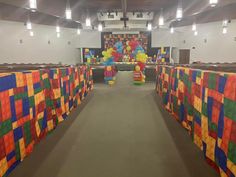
(89, 39)
(36, 49)
(163, 38)
(218, 48)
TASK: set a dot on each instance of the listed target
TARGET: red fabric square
(9, 142)
(197, 130)
(5, 108)
(36, 77)
(2, 149)
(205, 79)
(19, 108)
(233, 132)
(230, 88)
(215, 115)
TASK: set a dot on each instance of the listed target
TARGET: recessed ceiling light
(31, 33)
(88, 22)
(179, 13)
(33, 4)
(172, 30)
(68, 14)
(58, 29)
(225, 30)
(29, 25)
(100, 27)
(194, 27)
(213, 3)
(149, 27)
(161, 18)
(78, 31)
(195, 33)
(58, 35)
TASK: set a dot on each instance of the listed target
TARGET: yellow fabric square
(198, 81)
(31, 113)
(206, 95)
(14, 125)
(3, 166)
(222, 173)
(197, 104)
(210, 151)
(37, 129)
(50, 125)
(186, 71)
(40, 115)
(22, 148)
(198, 141)
(45, 76)
(231, 166)
(204, 128)
(11, 92)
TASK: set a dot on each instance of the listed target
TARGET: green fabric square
(31, 101)
(204, 108)
(232, 152)
(5, 127)
(230, 108)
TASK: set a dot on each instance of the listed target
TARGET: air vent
(140, 15)
(234, 38)
(205, 40)
(111, 16)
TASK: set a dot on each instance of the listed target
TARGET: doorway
(184, 56)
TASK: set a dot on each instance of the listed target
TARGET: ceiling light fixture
(58, 35)
(31, 33)
(68, 14)
(29, 25)
(225, 23)
(58, 29)
(149, 27)
(161, 18)
(100, 27)
(68, 11)
(213, 3)
(195, 33)
(194, 27)
(88, 22)
(225, 30)
(78, 31)
(33, 5)
(179, 11)
(172, 30)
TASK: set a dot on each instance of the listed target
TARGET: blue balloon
(119, 47)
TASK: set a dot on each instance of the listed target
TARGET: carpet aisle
(120, 132)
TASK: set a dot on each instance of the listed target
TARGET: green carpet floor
(119, 131)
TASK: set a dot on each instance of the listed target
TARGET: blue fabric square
(18, 134)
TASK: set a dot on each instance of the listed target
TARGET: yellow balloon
(128, 48)
(87, 50)
(137, 68)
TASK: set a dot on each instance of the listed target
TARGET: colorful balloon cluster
(108, 61)
(88, 55)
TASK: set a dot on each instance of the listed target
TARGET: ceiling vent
(111, 16)
(139, 15)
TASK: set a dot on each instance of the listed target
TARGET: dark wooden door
(184, 56)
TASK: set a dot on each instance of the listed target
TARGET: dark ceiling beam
(124, 10)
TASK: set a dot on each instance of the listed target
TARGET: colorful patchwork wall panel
(32, 103)
(204, 102)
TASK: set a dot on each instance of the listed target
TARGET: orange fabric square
(9, 142)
